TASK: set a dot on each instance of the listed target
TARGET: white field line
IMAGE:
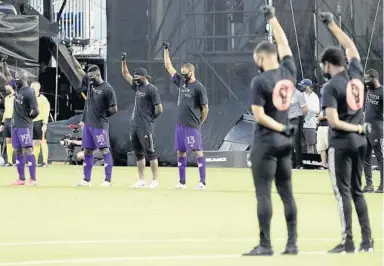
(147, 241)
(142, 258)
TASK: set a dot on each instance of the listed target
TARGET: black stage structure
(218, 37)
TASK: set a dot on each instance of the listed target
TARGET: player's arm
(204, 104)
(124, 69)
(77, 64)
(111, 103)
(6, 71)
(347, 43)
(277, 31)
(33, 106)
(156, 101)
(335, 122)
(167, 60)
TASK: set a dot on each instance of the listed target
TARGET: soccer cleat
(154, 184)
(105, 184)
(379, 189)
(200, 186)
(259, 251)
(84, 183)
(367, 246)
(8, 164)
(344, 247)
(368, 188)
(140, 184)
(31, 182)
(290, 250)
(43, 165)
(19, 182)
(179, 186)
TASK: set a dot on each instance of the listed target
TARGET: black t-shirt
(147, 97)
(374, 111)
(345, 92)
(191, 97)
(99, 99)
(273, 90)
(25, 101)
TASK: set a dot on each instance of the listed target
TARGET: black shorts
(143, 144)
(7, 133)
(37, 130)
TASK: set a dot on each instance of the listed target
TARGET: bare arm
(7, 72)
(78, 66)
(335, 122)
(281, 38)
(168, 63)
(342, 38)
(204, 112)
(125, 72)
(265, 120)
(305, 110)
(158, 110)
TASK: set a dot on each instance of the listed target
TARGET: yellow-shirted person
(40, 125)
(6, 122)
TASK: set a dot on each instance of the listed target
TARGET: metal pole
(269, 26)
(339, 15)
(57, 76)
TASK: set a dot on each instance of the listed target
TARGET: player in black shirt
(272, 92)
(101, 103)
(343, 103)
(25, 109)
(147, 108)
(374, 116)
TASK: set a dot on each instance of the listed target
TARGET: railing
(81, 19)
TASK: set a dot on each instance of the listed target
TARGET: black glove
(166, 45)
(366, 129)
(289, 130)
(123, 56)
(326, 17)
(4, 58)
(268, 11)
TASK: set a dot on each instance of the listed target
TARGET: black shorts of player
(7, 133)
(143, 144)
(37, 130)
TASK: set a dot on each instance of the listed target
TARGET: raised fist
(123, 56)
(326, 17)
(268, 11)
(166, 45)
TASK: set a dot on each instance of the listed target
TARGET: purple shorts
(95, 138)
(187, 138)
(22, 138)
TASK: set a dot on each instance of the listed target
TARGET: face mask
(19, 83)
(370, 85)
(327, 76)
(186, 77)
(138, 82)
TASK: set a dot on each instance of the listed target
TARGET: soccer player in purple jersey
(101, 103)
(25, 109)
(192, 111)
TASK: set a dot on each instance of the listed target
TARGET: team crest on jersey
(98, 91)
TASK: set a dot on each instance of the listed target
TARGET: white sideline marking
(150, 258)
(146, 241)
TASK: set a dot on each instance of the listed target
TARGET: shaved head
(22, 75)
(188, 67)
(36, 86)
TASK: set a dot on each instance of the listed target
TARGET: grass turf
(59, 224)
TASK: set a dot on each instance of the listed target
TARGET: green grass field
(59, 224)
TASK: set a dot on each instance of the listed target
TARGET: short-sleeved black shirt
(345, 92)
(374, 111)
(190, 100)
(273, 90)
(99, 99)
(25, 101)
(143, 115)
